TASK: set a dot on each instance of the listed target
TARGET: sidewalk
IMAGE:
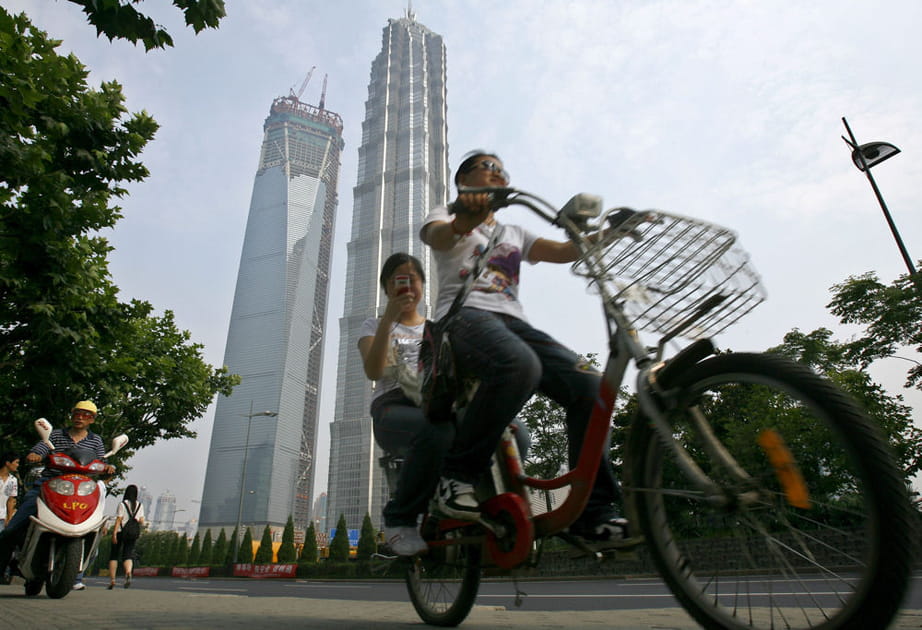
(139, 609)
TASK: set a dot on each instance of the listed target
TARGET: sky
(730, 112)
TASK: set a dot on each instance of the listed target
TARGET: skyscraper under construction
(402, 174)
(260, 465)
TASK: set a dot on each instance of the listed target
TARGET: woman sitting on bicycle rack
(492, 341)
(390, 345)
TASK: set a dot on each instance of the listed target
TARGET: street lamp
(243, 473)
(866, 156)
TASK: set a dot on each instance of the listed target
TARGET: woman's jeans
(401, 429)
(513, 360)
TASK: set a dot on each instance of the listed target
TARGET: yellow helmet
(86, 405)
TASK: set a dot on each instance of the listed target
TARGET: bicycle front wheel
(810, 526)
(443, 583)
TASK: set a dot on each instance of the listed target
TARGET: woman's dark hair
(469, 162)
(395, 260)
(131, 494)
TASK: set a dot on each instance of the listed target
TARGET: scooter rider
(82, 416)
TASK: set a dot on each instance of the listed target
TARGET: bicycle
(765, 495)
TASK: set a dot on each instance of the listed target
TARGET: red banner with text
(265, 570)
(189, 572)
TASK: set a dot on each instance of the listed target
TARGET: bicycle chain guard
(511, 511)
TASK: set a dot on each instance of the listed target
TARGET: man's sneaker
(457, 500)
(404, 540)
(611, 533)
(79, 586)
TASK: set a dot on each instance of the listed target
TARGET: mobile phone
(401, 284)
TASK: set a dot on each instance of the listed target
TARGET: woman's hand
(397, 304)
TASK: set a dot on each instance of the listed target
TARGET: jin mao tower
(402, 174)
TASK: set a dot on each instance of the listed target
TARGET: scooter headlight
(61, 486)
(86, 488)
(62, 462)
(97, 467)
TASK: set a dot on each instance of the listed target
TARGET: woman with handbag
(390, 350)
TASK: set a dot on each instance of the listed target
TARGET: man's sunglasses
(491, 166)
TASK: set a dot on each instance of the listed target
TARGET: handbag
(441, 384)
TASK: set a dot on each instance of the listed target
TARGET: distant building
(164, 513)
(146, 499)
(260, 465)
(320, 513)
(402, 174)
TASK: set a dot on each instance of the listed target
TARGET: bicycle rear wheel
(815, 533)
(443, 583)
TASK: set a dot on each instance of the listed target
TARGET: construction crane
(307, 79)
(323, 92)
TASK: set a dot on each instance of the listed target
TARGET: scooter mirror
(118, 443)
(43, 427)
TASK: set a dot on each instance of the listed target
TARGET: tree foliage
(207, 549)
(264, 551)
(368, 543)
(66, 152)
(220, 551)
(246, 547)
(117, 19)
(839, 363)
(195, 552)
(339, 546)
(891, 316)
(287, 552)
(309, 550)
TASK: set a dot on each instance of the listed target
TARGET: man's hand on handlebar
(471, 209)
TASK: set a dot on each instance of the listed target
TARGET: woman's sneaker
(404, 540)
(457, 500)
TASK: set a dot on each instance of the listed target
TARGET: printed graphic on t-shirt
(501, 273)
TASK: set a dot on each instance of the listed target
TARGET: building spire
(410, 15)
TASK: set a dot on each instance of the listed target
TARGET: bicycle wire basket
(673, 275)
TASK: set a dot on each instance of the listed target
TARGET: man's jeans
(513, 360)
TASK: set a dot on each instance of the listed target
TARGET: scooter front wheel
(61, 579)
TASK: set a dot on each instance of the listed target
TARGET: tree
(287, 552)
(368, 544)
(182, 550)
(264, 551)
(117, 19)
(204, 558)
(195, 552)
(66, 152)
(891, 315)
(839, 363)
(246, 547)
(232, 544)
(339, 546)
(219, 554)
(309, 550)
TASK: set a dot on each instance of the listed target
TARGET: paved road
(225, 604)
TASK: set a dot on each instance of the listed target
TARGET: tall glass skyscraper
(260, 464)
(402, 174)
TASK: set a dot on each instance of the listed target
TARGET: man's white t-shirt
(497, 288)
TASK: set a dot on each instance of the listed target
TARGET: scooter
(65, 533)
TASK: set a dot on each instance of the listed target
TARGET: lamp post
(866, 156)
(243, 473)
